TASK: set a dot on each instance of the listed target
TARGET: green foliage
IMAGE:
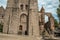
(56, 23)
(58, 12)
(59, 0)
(1, 27)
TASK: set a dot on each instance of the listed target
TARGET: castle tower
(42, 15)
(41, 20)
(21, 17)
(33, 18)
(8, 19)
(42, 10)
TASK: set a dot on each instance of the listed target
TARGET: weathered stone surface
(18, 37)
(22, 17)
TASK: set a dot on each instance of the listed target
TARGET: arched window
(20, 27)
(26, 7)
(21, 6)
(23, 18)
(20, 30)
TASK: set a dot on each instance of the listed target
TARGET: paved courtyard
(17, 37)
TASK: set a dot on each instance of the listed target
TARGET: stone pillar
(33, 23)
(52, 23)
(42, 29)
(6, 20)
(51, 19)
(33, 19)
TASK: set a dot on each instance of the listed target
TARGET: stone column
(33, 23)
(52, 23)
(51, 19)
(6, 20)
(33, 19)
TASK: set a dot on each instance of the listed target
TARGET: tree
(58, 13)
(56, 23)
(1, 27)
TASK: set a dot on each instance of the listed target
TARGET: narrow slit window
(21, 7)
(26, 7)
(20, 27)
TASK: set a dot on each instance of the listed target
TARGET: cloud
(49, 0)
(46, 18)
(3, 3)
(49, 5)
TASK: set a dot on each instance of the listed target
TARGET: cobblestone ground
(17, 37)
(52, 38)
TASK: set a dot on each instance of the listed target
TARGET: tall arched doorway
(23, 22)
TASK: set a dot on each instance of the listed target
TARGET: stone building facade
(22, 17)
(2, 14)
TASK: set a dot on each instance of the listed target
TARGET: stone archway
(49, 26)
(23, 22)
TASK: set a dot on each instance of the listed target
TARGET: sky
(49, 6)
